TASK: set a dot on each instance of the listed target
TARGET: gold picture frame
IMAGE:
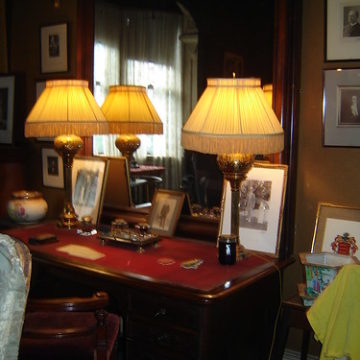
(89, 176)
(262, 198)
(165, 211)
(333, 220)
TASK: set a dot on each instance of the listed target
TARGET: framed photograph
(117, 188)
(165, 211)
(262, 198)
(54, 52)
(7, 100)
(341, 107)
(39, 88)
(233, 65)
(89, 176)
(52, 168)
(342, 30)
(332, 223)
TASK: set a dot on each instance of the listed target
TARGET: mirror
(279, 64)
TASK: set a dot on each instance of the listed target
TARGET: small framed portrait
(52, 168)
(233, 65)
(165, 211)
(341, 107)
(7, 99)
(89, 176)
(337, 229)
(54, 52)
(342, 30)
(262, 197)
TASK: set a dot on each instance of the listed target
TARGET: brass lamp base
(235, 168)
(67, 146)
(128, 144)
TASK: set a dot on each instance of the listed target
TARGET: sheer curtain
(142, 48)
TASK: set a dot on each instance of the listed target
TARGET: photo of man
(349, 113)
(351, 22)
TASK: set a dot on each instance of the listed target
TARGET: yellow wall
(324, 173)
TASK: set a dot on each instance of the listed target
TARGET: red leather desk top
(125, 260)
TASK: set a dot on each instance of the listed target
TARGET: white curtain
(142, 48)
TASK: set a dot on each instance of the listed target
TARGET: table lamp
(129, 111)
(234, 120)
(66, 110)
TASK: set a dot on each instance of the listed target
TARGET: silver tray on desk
(129, 238)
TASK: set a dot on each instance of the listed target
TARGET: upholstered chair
(15, 274)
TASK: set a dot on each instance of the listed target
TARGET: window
(142, 48)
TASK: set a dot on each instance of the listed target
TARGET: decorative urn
(26, 207)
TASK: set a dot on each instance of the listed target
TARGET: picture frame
(165, 211)
(342, 39)
(341, 108)
(53, 45)
(89, 175)
(333, 220)
(7, 101)
(39, 88)
(262, 198)
(117, 188)
(52, 168)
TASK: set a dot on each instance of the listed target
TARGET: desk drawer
(163, 309)
(176, 343)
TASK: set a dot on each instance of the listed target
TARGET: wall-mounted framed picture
(341, 107)
(39, 88)
(54, 51)
(262, 198)
(89, 176)
(52, 168)
(165, 211)
(7, 101)
(332, 222)
(342, 30)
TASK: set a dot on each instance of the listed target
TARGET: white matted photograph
(7, 98)
(342, 30)
(337, 229)
(341, 107)
(262, 198)
(89, 176)
(54, 52)
(165, 211)
(52, 168)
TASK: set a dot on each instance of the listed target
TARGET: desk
(147, 170)
(214, 312)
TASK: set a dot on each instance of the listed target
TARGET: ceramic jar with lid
(26, 207)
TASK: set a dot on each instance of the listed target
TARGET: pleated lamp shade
(129, 110)
(233, 116)
(65, 107)
(268, 91)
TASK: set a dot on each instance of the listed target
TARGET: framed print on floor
(88, 183)
(341, 107)
(333, 221)
(52, 168)
(54, 52)
(342, 30)
(7, 100)
(262, 198)
(165, 211)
